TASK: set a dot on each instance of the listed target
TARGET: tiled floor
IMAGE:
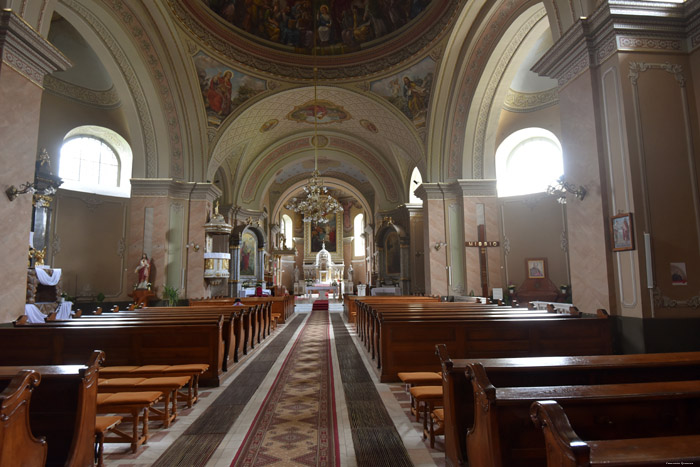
(393, 395)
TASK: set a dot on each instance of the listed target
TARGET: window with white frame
(287, 231)
(528, 161)
(359, 240)
(95, 160)
(416, 181)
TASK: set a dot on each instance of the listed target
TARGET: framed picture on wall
(536, 268)
(621, 232)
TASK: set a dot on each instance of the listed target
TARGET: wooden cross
(482, 244)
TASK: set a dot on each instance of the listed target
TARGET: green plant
(100, 297)
(171, 294)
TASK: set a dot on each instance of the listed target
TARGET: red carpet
(320, 305)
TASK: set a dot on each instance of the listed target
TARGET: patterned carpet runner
(320, 305)
(296, 425)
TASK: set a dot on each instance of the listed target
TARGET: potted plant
(171, 294)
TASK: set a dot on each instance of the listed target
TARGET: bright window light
(359, 240)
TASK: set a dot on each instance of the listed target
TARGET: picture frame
(536, 268)
(622, 232)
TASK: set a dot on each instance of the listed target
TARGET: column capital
(426, 191)
(474, 188)
(25, 50)
(621, 26)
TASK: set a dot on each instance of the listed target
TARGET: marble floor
(393, 396)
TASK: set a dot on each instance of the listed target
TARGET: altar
(321, 288)
(381, 291)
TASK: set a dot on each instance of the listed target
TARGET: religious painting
(621, 232)
(249, 250)
(269, 125)
(369, 126)
(319, 111)
(409, 90)
(223, 88)
(329, 233)
(392, 248)
(536, 268)
(679, 276)
(340, 26)
(324, 234)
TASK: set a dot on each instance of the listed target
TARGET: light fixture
(562, 187)
(13, 192)
(316, 203)
(439, 245)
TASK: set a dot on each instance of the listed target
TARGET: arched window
(287, 231)
(359, 240)
(95, 160)
(416, 181)
(528, 161)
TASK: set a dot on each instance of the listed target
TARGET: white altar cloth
(310, 289)
(65, 311)
(250, 292)
(45, 278)
(33, 313)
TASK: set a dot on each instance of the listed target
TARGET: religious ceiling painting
(316, 235)
(409, 90)
(392, 247)
(269, 125)
(369, 126)
(319, 111)
(223, 88)
(249, 248)
(341, 26)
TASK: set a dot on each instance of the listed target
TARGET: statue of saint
(350, 272)
(296, 273)
(144, 271)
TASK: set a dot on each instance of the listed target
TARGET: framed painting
(536, 268)
(392, 248)
(325, 233)
(621, 232)
(249, 250)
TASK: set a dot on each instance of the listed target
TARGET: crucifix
(481, 243)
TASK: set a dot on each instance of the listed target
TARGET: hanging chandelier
(316, 204)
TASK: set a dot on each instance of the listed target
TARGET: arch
(415, 182)
(527, 161)
(287, 231)
(235, 244)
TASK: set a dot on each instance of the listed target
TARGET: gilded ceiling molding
(24, 50)
(104, 99)
(492, 87)
(135, 89)
(498, 22)
(152, 61)
(530, 101)
(298, 66)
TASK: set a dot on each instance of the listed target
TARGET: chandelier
(316, 203)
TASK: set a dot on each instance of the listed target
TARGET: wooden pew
(169, 344)
(503, 434)
(17, 444)
(351, 310)
(63, 408)
(281, 308)
(550, 371)
(566, 449)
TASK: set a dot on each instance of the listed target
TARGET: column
(435, 238)
(26, 59)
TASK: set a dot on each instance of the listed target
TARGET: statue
(350, 272)
(296, 273)
(144, 271)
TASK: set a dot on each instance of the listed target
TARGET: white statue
(350, 271)
(296, 273)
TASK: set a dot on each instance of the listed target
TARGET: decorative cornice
(530, 101)
(475, 188)
(430, 191)
(103, 99)
(174, 189)
(620, 25)
(23, 49)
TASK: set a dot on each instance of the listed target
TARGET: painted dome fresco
(351, 37)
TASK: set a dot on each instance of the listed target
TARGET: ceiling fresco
(325, 166)
(340, 26)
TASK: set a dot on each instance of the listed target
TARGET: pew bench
(548, 371)
(132, 404)
(193, 371)
(103, 424)
(566, 449)
(504, 435)
(168, 386)
(18, 446)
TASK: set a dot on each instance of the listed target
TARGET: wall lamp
(562, 187)
(13, 192)
(194, 245)
(439, 245)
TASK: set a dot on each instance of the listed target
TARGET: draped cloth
(32, 311)
(65, 310)
(48, 279)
